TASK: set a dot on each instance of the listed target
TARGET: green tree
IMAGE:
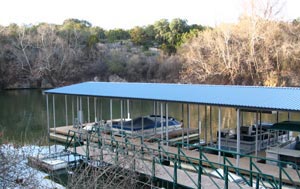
(161, 29)
(138, 35)
(168, 35)
(117, 35)
(144, 36)
(99, 32)
(76, 32)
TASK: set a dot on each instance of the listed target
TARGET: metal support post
(161, 122)
(167, 124)
(95, 110)
(48, 121)
(219, 134)
(238, 137)
(88, 109)
(188, 125)
(66, 109)
(73, 115)
(54, 119)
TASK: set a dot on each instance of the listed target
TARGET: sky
(125, 14)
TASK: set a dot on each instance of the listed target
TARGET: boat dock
(167, 151)
(144, 166)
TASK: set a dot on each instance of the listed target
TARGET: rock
(24, 84)
(116, 78)
(46, 84)
(96, 78)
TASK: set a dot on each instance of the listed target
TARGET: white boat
(288, 151)
(144, 125)
(248, 137)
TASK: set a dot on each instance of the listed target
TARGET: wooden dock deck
(161, 171)
(243, 164)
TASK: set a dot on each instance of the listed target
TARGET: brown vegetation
(255, 51)
(258, 50)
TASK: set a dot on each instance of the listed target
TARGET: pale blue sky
(126, 14)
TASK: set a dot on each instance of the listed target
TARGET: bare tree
(22, 48)
(264, 9)
(256, 50)
(109, 173)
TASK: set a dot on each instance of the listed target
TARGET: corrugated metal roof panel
(274, 98)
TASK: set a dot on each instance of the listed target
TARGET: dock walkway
(161, 171)
(244, 162)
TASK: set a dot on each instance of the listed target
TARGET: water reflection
(23, 114)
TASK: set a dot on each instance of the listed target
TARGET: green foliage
(93, 39)
(137, 35)
(117, 35)
(76, 24)
(169, 35)
(143, 36)
(99, 32)
(161, 29)
(115, 63)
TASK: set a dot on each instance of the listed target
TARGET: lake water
(23, 114)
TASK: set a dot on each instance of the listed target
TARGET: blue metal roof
(271, 98)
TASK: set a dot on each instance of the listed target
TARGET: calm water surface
(23, 114)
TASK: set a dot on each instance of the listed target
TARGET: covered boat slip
(290, 150)
(242, 98)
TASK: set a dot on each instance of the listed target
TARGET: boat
(144, 125)
(289, 150)
(261, 135)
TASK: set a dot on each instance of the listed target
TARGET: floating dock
(55, 161)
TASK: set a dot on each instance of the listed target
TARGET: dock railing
(270, 179)
(160, 155)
